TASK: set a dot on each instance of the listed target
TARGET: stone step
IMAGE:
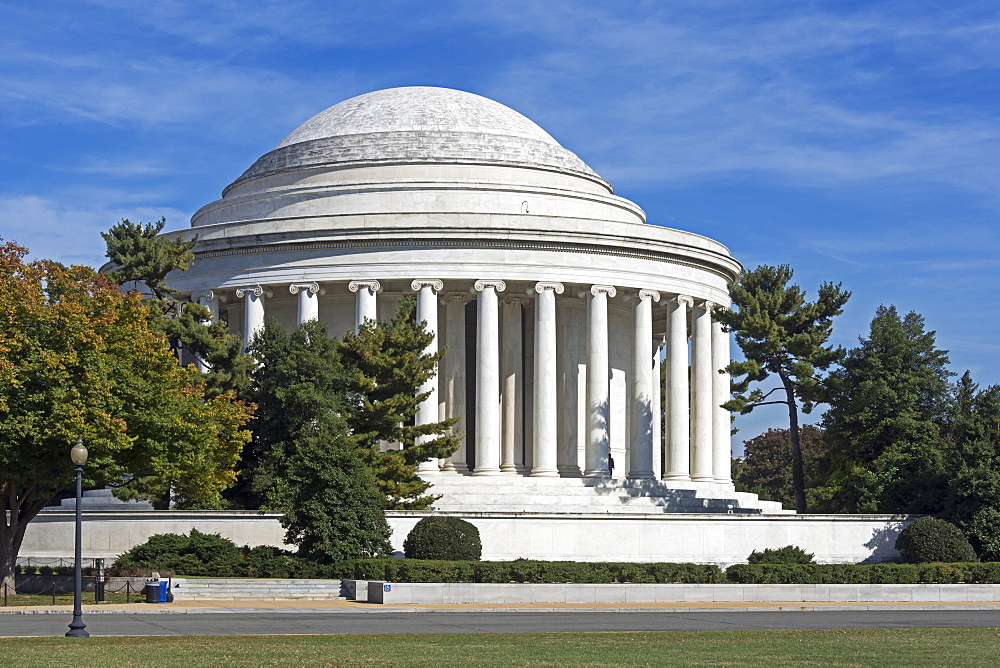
(263, 590)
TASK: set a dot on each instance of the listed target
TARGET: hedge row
(971, 573)
(523, 570)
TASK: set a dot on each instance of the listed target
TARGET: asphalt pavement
(324, 621)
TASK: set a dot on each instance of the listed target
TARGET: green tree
(888, 401)
(781, 333)
(386, 365)
(79, 359)
(972, 431)
(766, 467)
(143, 258)
(309, 465)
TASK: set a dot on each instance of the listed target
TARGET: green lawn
(67, 599)
(889, 647)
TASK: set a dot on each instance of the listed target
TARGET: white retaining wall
(698, 538)
(403, 593)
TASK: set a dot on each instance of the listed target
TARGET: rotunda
(556, 301)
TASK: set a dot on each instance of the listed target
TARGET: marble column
(546, 412)
(701, 395)
(512, 386)
(721, 424)
(210, 300)
(253, 312)
(657, 409)
(678, 421)
(454, 376)
(643, 409)
(427, 410)
(598, 383)
(488, 378)
(365, 306)
(308, 301)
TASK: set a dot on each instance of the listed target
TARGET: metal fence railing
(92, 586)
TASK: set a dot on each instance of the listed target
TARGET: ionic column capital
(608, 290)
(371, 284)
(312, 288)
(254, 290)
(683, 300)
(516, 299)
(207, 295)
(649, 294)
(435, 283)
(542, 286)
(497, 285)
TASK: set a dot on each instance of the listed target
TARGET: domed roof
(418, 125)
(417, 109)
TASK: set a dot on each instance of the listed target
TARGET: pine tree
(304, 461)
(386, 365)
(887, 404)
(766, 467)
(973, 434)
(781, 333)
(143, 258)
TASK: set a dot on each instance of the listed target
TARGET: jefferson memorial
(567, 320)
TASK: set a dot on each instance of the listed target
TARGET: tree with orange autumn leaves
(78, 359)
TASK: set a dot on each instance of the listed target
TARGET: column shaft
(721, 426)
(598, 383)
(546, 412)
(365, 305)
(454, 377)
(701, 408)
(210, 301)
(488, 379)
(641, 447)
(308, 300)
(512, 387)
(253, 312)
(427, 409)
(657, 409)
(678, 423)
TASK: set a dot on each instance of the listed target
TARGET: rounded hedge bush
(789, 554)
(448, 538)
(929, 539)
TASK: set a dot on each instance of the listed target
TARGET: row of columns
(697, 439)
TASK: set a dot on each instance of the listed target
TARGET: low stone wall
(406, 593)
(696, 538)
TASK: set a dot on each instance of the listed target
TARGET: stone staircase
(185, 589)
(520, 493)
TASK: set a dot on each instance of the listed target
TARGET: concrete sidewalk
(344, 606)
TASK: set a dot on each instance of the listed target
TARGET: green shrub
(938, 573)
(983, 531)
(929, 539)
(443, 538)
(790, 554)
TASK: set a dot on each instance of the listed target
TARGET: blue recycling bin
(162, 591)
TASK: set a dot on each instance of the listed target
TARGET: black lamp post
(77, 629)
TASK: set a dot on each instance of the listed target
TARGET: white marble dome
(558, 304)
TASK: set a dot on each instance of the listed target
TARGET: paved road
(495, 622)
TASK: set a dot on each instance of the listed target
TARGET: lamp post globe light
(77, 629)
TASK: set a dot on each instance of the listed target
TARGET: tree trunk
(10, 544)
(798, 475)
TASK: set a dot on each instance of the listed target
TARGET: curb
(383, 609)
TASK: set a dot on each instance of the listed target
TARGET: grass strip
(854, 647)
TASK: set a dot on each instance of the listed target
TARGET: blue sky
(856, 141)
